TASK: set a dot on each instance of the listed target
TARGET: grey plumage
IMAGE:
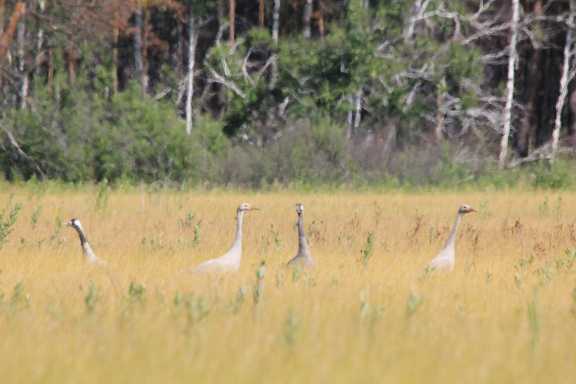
(304, 257)
(87, 251)
(446, 259)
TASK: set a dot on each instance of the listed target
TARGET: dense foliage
(314, 91)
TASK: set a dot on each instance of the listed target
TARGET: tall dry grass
(367, 313)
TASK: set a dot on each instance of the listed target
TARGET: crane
(303, 258)
(230, 261)
(447, 256)
(87, 251)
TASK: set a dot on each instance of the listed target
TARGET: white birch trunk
(276, 22)
(40, 34)
(350, 120)
(138, 60)
(2, 11)
(357, 109)
(355, 115)
(564, 80)
(307, 19)
(192, 38)
(417, 11)
(21, 51)
(510, 85)
(275, 35)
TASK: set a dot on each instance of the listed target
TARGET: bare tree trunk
(418, 9)
(354, 115)
(321, 24)
(145, 24)
(510, 85)
(232, 21)
(192, 38)
(307, 19)
(261, 12)
(440, 112)
(358, 109)
(138, 62)
(22, 71)
(275, 35)
(40, 34)
(350, 120)
(115, 62)
(2, 12)
(276, 22)
(221, 96)
(564, 80)
(8, 34)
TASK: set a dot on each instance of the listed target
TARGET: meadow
(368, 313)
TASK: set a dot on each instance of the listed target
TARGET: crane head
(74, 222)
(244, 207)
(465, 208)
(299, 209)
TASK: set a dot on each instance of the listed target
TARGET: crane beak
(254, 209)
(473, 210)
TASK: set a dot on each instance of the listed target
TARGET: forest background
(255, 93)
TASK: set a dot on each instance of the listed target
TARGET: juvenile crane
(447, 256)
(230, 261)
(303, 258)
(87, 251)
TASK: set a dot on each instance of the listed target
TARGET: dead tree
(21, 63)
(138, 58)
(232, 21)
(192, 38)
(8, 34)
(567, 75)
(261, 12)
(513, 54)
(275, 36)
(307, 19)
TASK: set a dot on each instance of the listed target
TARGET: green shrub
(552, 176)
(90, 138)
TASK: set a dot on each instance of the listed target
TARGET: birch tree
(276, 22)
(307, 19)
(567, 75)
(275, 35)
(21, 62)
(192, 38)
(2, 10)
(512, 58)
(138, 60)
(40, 33)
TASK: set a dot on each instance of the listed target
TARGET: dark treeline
(252, 92)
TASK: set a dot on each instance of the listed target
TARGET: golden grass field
(506, 314)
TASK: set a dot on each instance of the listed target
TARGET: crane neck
(452, 237)
(86, 248)
(239, 222)
(303, 248)
(81, 235)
